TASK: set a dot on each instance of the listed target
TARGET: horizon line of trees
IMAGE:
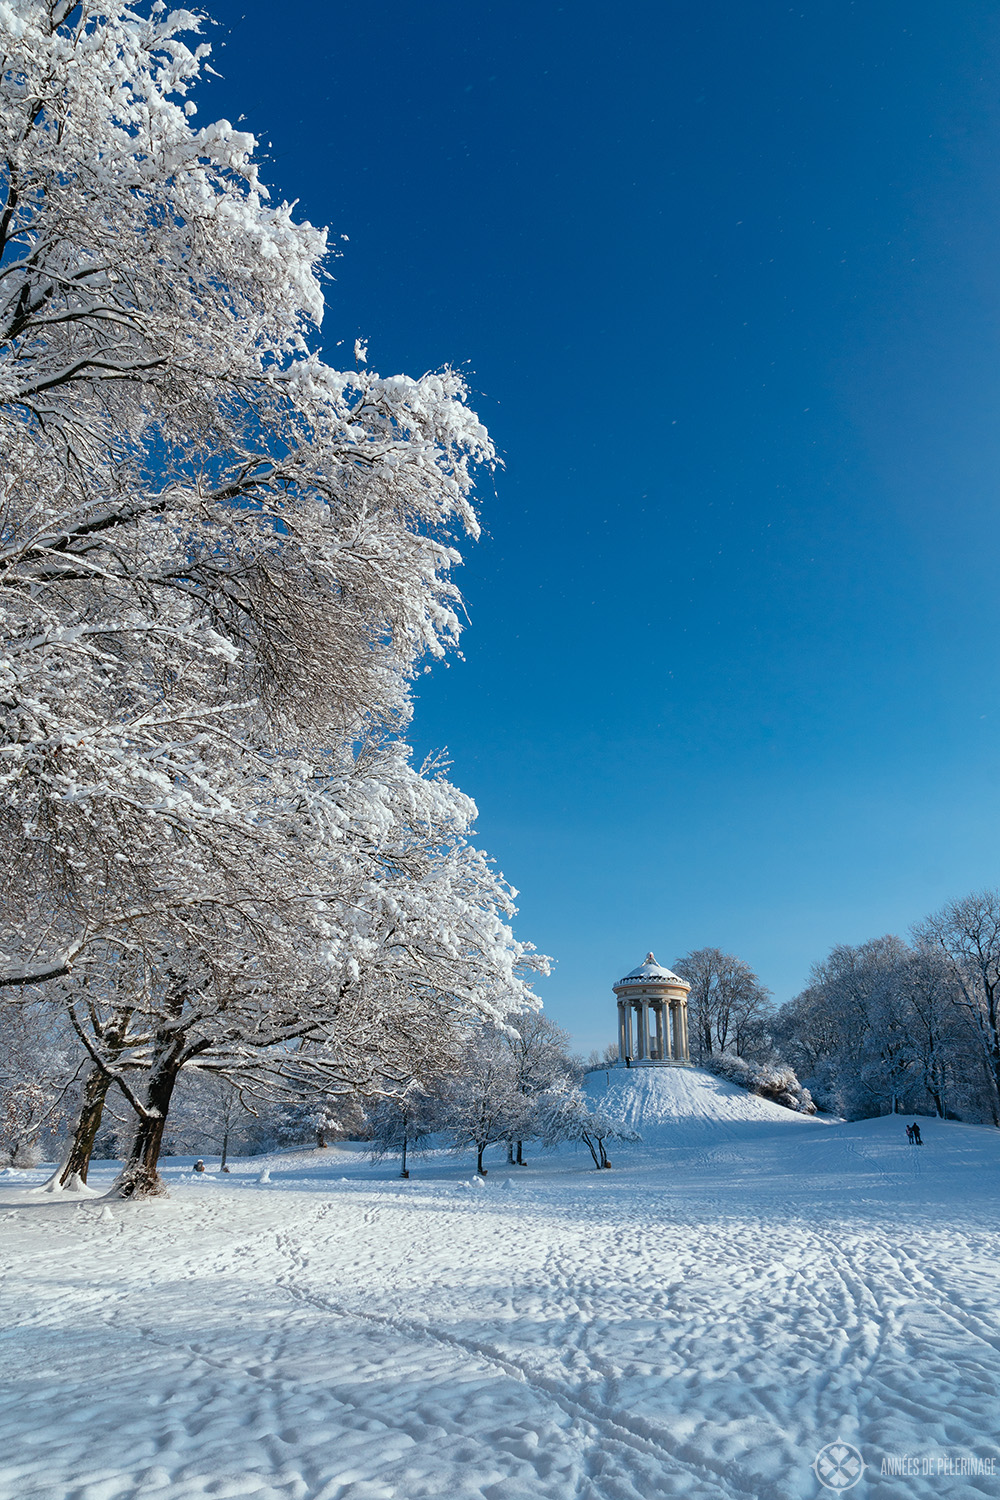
(894, 1026)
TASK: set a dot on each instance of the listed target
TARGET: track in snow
(697, 1322)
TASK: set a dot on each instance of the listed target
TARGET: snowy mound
(668, 1106)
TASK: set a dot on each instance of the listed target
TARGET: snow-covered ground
(742, 1289)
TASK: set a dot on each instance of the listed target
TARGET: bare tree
(727, 1002)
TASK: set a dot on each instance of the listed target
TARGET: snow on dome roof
(650, 970)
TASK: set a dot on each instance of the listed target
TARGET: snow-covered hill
(675, 1106)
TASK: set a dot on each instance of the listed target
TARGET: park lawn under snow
(745, 1287)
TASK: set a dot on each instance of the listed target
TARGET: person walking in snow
(916, 1134)
(909, 1134)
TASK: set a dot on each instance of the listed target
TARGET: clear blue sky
(727, 280)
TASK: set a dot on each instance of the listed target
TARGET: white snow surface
(742, 1288)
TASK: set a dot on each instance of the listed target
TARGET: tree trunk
(139, 1177)
(520, 1158)
(225, 1149)
(510, 1153)
(95, 1091)
(590, 1147)
(402, 1171)
(479, 1160)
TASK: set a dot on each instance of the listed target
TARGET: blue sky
(726, 282)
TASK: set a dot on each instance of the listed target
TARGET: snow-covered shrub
(771, 1080)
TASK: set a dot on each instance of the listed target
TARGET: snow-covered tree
(483, 1103)
(212, 543)
(211, 1117)
(772, 1080)
(221, 561)
(399, 1122)
(540, 1050)
(39, 1066)
(966, 934)
(566, 1114)
(880, 1029)
(408, 936)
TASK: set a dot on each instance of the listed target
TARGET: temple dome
(651, 972)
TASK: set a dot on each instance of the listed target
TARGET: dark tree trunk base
(139, 1177)
(137, 1180)
(76, 1166)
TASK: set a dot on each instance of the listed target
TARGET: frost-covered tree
(409, 935)
(39, 1065)
(728, 1006)
(878, 1031)
(540, 1051)
(966, 934)
(212, 545)
(772, 1080)
(483, 1103)
(565, 1114)
(221, 562)
(400, 1121)
(211, 1117)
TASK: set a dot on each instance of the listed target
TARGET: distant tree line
(890, 1026)
(884, 1026)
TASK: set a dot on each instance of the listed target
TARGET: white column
(644, 1014)
(685, 1054)
(668, 1039)
(622, 1047)
(658, 1029)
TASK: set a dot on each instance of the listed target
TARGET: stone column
(668, 1036)
(659, 1030)
(644, 1029)
(622, 1048)
(685, 1054)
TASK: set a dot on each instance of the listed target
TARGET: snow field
(698, 1321)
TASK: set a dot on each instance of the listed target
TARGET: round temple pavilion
(652, 1017)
